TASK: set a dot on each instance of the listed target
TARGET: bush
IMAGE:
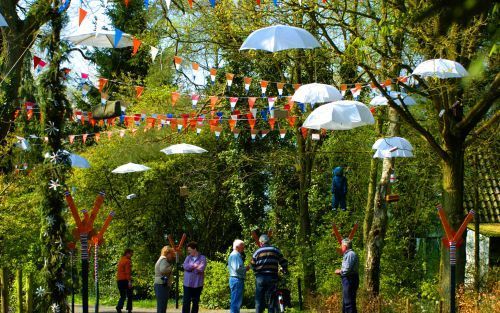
(216, 293)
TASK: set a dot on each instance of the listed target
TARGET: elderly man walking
(265, 263)
(350, 277)
(237, 273)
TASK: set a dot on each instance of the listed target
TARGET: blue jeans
(265, 290)
(349, 288)
(191, 295)
(339, 200)
(236, 285)
(161, 292)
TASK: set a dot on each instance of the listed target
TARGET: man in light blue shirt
(237, 273)
(350, 277)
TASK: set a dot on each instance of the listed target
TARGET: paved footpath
(108, 309)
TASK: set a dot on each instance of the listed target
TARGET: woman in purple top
(194, 273)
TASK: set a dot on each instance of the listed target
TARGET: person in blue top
(339, 189)
(237, 274)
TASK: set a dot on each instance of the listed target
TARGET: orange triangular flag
(272, 120)
(97, 136)
(213, 101)
(251, 101)
(291, 120)
(102, 83)
(232, 124)
(126, 3)
(138, 91)
(136, 43)
(81, 15)
(304, 132)
(175, 97)
(190, 3)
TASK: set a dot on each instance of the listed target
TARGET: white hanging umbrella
(389, 143)
(130, 168)
(280, 37)
(383, 154)
(101, 39)
(3, 22)
(339, 115)
(381, 100)
(183, 148)
(440, 68)
(316, 93)
(78, 161)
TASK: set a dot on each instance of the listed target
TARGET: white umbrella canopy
(279, 37)
(381, 100)
(440, 68)
(78, 161)
(183, 148)
(130, 168)
(3, 22)
(389, 143)
(101, 39)
(383, 154)
(339, 115)
(316, 93)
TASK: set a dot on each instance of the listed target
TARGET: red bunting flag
(36, 61)
(251, 102)
(236, 133)
(291, 103)
(81, 15)
(291, 120)
(232, 102)
(175, 97)
(282, 133)
(126, 3)
(136, 44)
(194, 100)
(138, 91)
(102, 83)
(251, 120)
(258, 2)
(232, 124)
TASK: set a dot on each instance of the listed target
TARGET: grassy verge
(108, 301)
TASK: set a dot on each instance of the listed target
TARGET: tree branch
(485, 126)
(480, 108)
(408, 117)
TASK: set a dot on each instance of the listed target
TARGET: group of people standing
(265, 263)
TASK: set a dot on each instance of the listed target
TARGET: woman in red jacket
(124, 280)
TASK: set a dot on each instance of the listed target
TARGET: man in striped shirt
(265, 263)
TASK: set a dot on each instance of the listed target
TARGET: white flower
(54, 157)
(40, 292)
(60, 286)
(55, 307)
(54, 184)
(51, 128)
(50, 220)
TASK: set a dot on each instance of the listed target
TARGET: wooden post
(4, 291)
(29, 294)
(19, 294)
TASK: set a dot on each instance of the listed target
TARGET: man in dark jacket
(265, 263)
(339, 189)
